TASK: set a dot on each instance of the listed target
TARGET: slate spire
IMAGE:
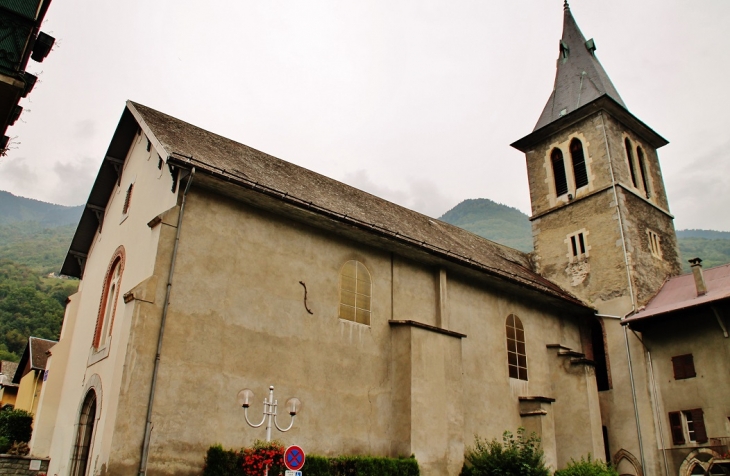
(580, 78)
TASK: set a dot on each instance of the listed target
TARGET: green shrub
(316, 466)
(587, 467)
(521, 456)
(220, 462)
(4, 444)
(16, 426)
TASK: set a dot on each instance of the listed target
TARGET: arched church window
(561, 183)
(630, 157)
(516, 354)
(355, 292)
(109, 298)
(80, 458)
(642, 170)
(579, 163)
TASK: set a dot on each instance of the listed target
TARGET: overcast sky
(414, 101)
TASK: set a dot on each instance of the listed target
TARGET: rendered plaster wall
(695, 332)
(29, 390)
(238, 319)
(75, 363)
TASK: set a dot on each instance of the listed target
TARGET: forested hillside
(494, 221)
(511, 227)
(34, 239)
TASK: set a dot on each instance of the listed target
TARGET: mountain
(493, 221)
(14, 209)
(509, 226)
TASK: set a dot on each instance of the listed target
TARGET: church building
(208, 267)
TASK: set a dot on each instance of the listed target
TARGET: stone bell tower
(600, 216)
(602, 230)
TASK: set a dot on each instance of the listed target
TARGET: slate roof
(680, 293)
(580, 78)
(35, 357)
(232, 162)
(7, 372)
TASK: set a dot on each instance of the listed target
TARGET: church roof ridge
(580, 78)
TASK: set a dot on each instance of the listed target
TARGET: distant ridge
(14, 209)
(709, 234)
(496, 222)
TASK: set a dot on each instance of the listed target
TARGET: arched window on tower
(355, 292)
(642, 169)
(109, 299)
(579, 163)
(630, 157)
(561, 183)
(516, 354)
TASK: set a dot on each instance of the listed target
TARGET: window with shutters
(355, 293)
(684, 366)
(561, 182)
(516, 353)
(580, 173)
(688, 426)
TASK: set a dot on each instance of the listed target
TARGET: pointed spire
(580, 78)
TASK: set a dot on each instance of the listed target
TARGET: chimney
(699, 278)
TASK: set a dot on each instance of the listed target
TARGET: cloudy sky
(414, 101)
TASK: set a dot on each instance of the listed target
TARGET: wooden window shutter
(699, 423)
(684, 366)
(675, 423)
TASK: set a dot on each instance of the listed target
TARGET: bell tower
(600, 216)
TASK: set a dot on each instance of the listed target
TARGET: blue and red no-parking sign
(294, 458)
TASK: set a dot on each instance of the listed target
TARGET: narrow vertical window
(127, 199)
(577, 246)
(561, 183)
(630, 158)
(109, 297)
(654, 244)
(642, 170)
(579, 163)
(355, 293)
(516, 354)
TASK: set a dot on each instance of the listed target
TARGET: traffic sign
(294, 458)
(292, 473)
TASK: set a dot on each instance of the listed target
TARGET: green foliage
(493, 221)
(220, 462)
(587, 467)
(5, 444)
(29, 243)
(713, 252)
(16, 426)
(15, 209)
(520, 456)
(29, 306)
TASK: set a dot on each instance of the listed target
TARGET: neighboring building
(20, 40)
(31, 372)
(8, 389)
(208, 266)
(684, 329)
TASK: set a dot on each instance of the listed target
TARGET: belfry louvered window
(642, 170)
(579, 163)
(355, 293)
(516, 354)
(630, 157)
(561, 183)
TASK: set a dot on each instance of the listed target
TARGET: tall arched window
(355, 292)
(642, 169)
(630, 157)
(84, 432)
(109, 298)
(561, 183)
(579, 163)
(516, 355)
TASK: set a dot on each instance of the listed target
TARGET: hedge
(15, 426)
(221, 462)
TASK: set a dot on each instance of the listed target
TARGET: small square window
(654, 244)
(684, 366)
(577, 246)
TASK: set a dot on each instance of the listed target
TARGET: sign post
(294, 460)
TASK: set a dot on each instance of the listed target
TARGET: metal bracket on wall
(305, 297)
